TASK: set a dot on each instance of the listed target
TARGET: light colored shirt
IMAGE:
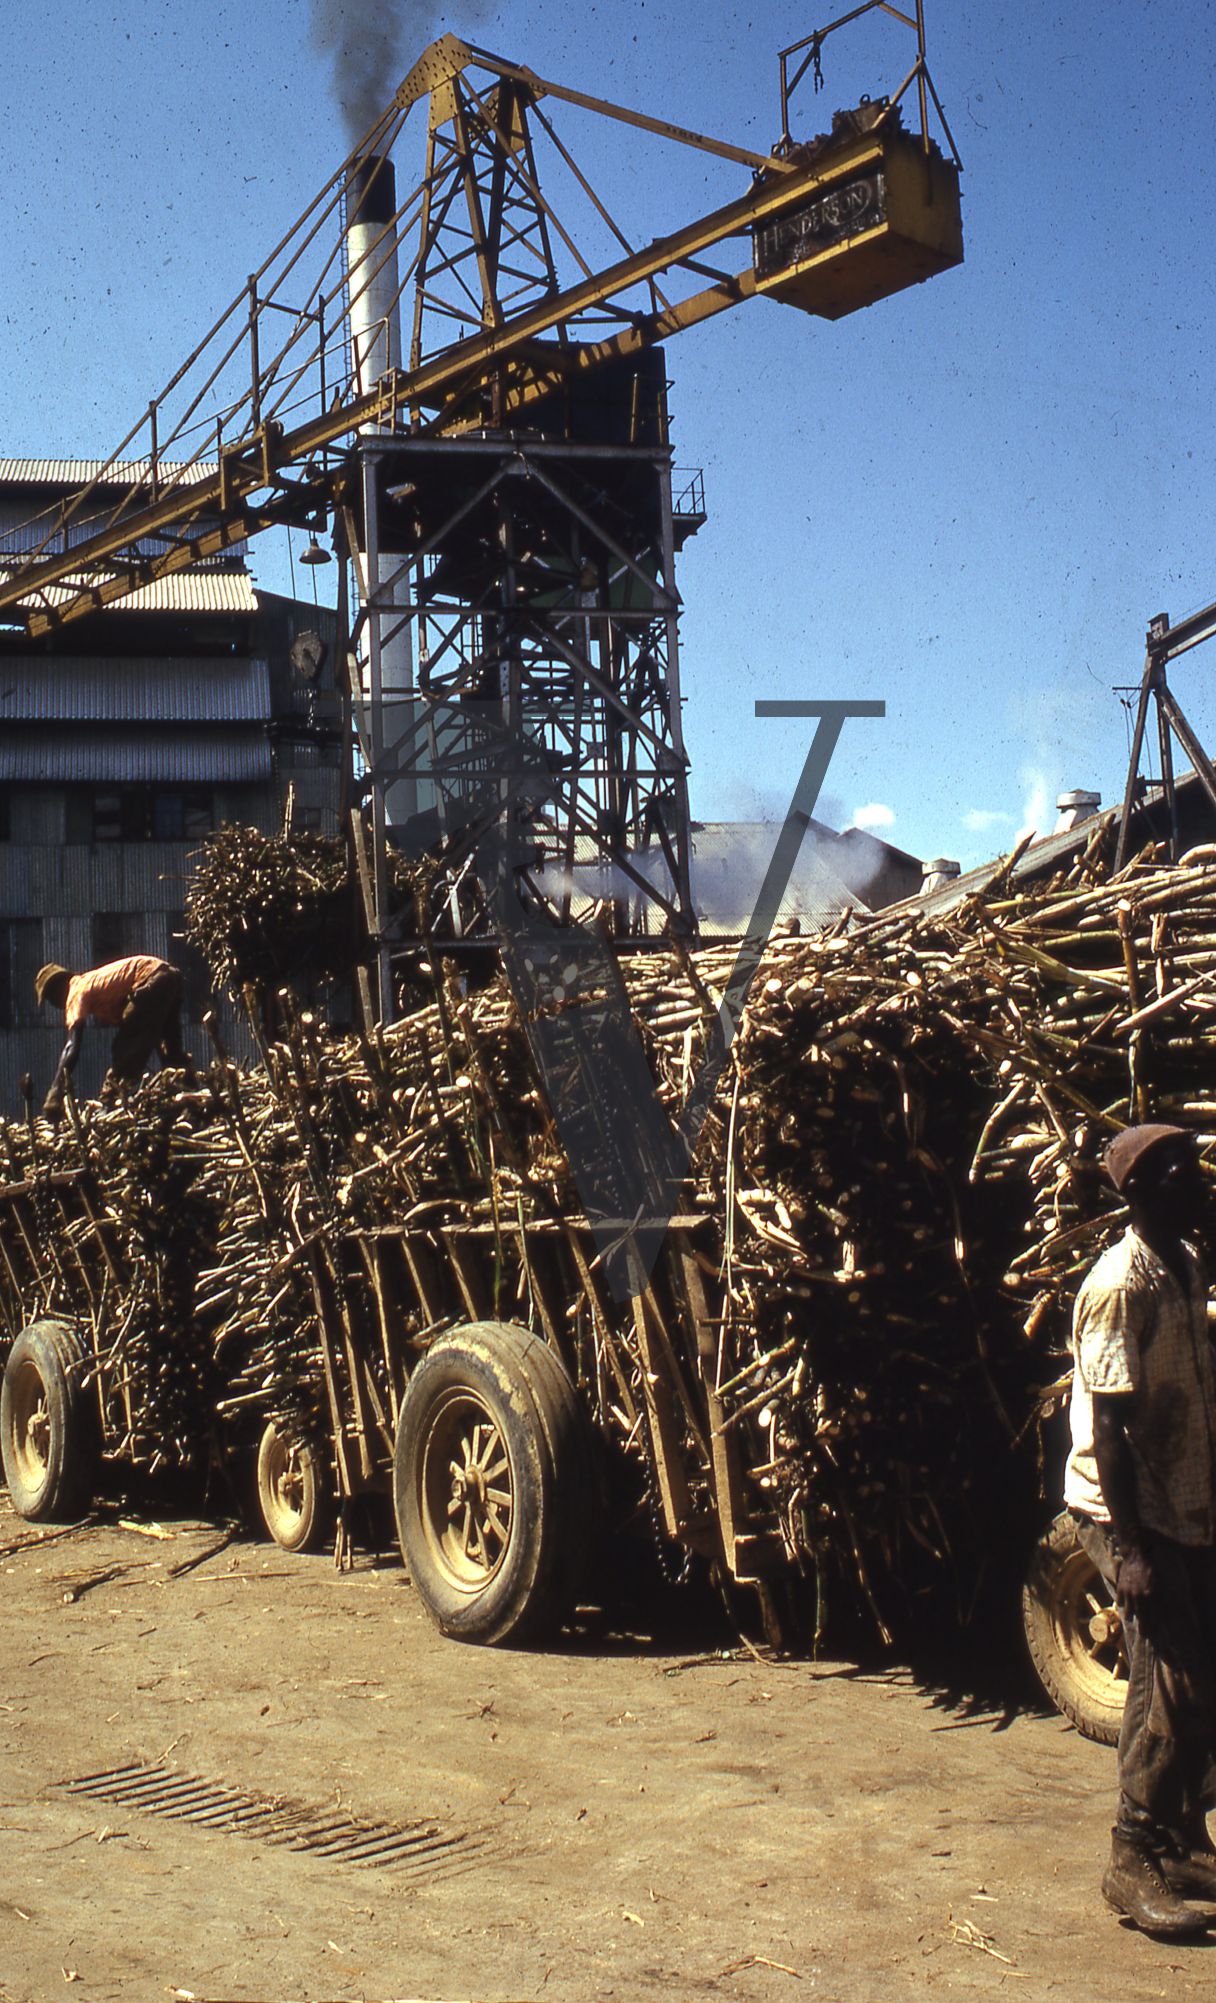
(1137, 1333)
(105, 992)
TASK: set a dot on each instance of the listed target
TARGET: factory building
(125, 737)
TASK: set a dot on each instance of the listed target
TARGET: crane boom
(833, 224)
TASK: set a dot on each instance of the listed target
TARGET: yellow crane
(833, 224)
(478, 404)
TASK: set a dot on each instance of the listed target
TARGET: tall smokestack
(375, 348)
(371, 271)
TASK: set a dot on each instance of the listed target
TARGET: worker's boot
(1135, 1887)
(1191, 1870)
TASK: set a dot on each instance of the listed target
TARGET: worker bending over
(1141, 1483)
(139, 998)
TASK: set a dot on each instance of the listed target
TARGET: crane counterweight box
(890, 217)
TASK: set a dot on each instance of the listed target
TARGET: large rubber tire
(49, 1429)
(492, 1484)
(1074, 1634)
(576, 1452)
(296, 1499)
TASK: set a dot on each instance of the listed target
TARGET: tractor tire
(492, 1484)
(574, 1448)
(49, 1429)
(1074, 1634)
(296, 1500)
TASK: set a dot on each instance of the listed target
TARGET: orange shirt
(105, 992)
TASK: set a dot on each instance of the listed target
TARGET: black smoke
(369, 48)
(372, 44)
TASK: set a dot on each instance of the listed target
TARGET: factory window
(182, 817)
(21, 955)
(123, 817)
(144, 813)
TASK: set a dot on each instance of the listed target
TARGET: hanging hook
(816, 64)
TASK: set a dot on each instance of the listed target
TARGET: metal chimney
(1072, 808)
(371, 270)
(372, 281)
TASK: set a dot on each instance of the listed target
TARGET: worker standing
(139, 998)
(1141, 1482)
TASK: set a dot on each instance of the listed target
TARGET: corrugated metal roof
(186, 591)
(194, 591)
(102, 757)
(72, 688)
(42, 534)
(78, 472)
(1040, 859)
(1051, 851)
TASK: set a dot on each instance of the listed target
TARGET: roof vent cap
(943, 869)
(1074, 807)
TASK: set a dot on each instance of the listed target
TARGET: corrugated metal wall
(105, 755)
(216, 708)
(64, 895)
(78, 688)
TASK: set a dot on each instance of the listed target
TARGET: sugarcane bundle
(268, 909)
(121, 1212)
(912, 1193)
(260, 906)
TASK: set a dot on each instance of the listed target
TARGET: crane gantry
(478, 405)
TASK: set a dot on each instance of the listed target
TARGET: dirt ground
(626, 1817)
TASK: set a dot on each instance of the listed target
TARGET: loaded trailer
(364, 1270)
(452, 1363)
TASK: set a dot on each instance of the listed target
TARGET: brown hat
(44, 977)
(1128, 1149)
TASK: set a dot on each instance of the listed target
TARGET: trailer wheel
(492, 1484)
(1074, 1634)
(49, 1435)
(295, 1501)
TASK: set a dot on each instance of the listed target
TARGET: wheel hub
(32, 1424)
(469, 1485)
(468, 1492)
(289, 1484)
(38, 1434)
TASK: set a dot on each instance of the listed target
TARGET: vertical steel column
(1167, 769)
(675, 706)
(375, 694)
(612, 826)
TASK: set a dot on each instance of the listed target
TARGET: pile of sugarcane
(912, 1191)
(899, 1169)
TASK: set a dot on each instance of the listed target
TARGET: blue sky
(967, 500)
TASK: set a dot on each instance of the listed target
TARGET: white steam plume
(1038, 813)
